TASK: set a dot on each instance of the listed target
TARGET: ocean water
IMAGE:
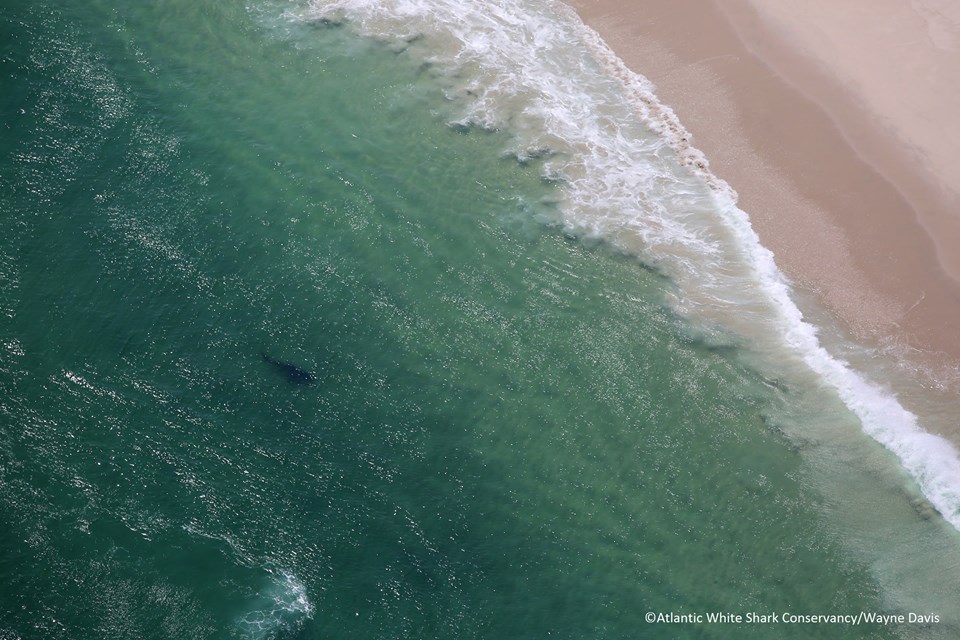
(412, 320)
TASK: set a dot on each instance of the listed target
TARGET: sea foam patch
(282, 606)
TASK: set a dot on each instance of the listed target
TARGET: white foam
(930, 460)
(282, 605)
(632, 176)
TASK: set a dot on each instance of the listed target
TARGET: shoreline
(812, 167)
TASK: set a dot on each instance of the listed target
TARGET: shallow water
(510, 432)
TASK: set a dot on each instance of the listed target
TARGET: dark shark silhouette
(293, 373)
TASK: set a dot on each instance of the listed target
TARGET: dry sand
(843, 160)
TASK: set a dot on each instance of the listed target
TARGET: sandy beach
(804, 110)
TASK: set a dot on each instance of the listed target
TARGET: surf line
(932, 461)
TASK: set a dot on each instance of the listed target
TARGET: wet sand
(838, 183)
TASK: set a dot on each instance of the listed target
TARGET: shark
(293, 373)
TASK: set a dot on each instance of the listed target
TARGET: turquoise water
(509, 434)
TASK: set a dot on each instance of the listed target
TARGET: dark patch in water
(774, 383)
(922, 507)
(293, 373)
(403, 45)
(792, 443)
(327, 22)
(718, 344)
(460, 127)
(530, 156)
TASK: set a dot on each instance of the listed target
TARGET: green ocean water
(509, 434)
